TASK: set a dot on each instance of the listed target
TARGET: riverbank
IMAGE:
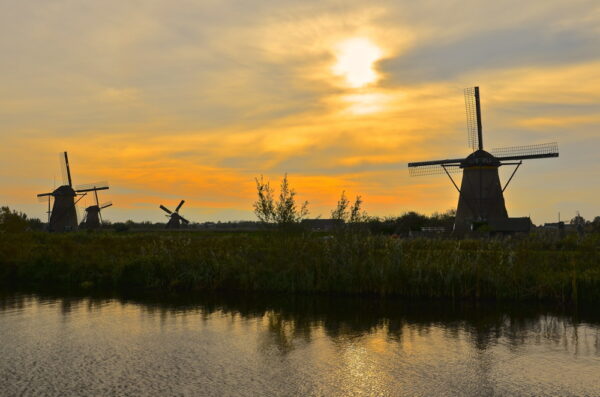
(533, 268)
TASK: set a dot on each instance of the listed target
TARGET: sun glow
(365, 103)
(355, 60)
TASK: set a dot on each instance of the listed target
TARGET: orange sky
(171, 100)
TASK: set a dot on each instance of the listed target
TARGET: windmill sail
(434, 169)
(64, 168)
(175, 219)
(88, 187)
(543, 150)
(473, 110)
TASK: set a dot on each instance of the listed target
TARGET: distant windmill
(174, 218)
(93, 216)
(63, 216)
(481, 198)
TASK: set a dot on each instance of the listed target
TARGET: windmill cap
(64, 190)
(480, 158)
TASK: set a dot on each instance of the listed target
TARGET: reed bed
(534, 267)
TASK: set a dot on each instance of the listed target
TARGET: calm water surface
(270, 346)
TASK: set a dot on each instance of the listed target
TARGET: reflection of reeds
(530, 268)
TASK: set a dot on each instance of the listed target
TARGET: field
(531, 268)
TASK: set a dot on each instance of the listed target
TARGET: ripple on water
(85, 346)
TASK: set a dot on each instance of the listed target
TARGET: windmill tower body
(174, 222)
(481, 194)
(64, 214)
(481, 198)
(92, 217)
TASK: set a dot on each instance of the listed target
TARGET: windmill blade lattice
(103, 185)
(64, 168)
(544, 149)
(471, 110)
(433, 169)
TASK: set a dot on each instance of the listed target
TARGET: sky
(183, 99)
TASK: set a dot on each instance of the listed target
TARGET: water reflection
(345, 318)
(244, 345)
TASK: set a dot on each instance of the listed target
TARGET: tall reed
(347, 262)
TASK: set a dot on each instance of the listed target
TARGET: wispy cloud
(191, 99)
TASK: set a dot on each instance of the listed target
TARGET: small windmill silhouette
(175, 219)
(93, 213)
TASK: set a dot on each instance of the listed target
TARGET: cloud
(188, 99)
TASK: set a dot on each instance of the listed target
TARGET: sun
(355, 60)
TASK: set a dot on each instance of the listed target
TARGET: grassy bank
(531, 268)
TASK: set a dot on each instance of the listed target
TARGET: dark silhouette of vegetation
(347, 213)
(370, 259)
(584, 226)
(355, 263)
(284, 211)
(411, 222)
(17, 222)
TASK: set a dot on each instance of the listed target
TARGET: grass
(535, 267)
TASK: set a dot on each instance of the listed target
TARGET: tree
(264, 207)
(596, 225)
(341, 210)
(356, 213)
(285, 210)
(578, 220)
(411, 221)
(12, 221)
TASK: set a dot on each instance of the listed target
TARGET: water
(272, 346)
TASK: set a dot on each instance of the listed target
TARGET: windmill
(63, 216)
(93, 216)
(174, 218)
(481, 195)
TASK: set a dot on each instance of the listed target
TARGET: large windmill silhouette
(481, 195)
(63, 216)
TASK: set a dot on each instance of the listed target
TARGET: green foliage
(535, 267)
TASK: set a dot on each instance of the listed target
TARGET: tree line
(282, 210)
